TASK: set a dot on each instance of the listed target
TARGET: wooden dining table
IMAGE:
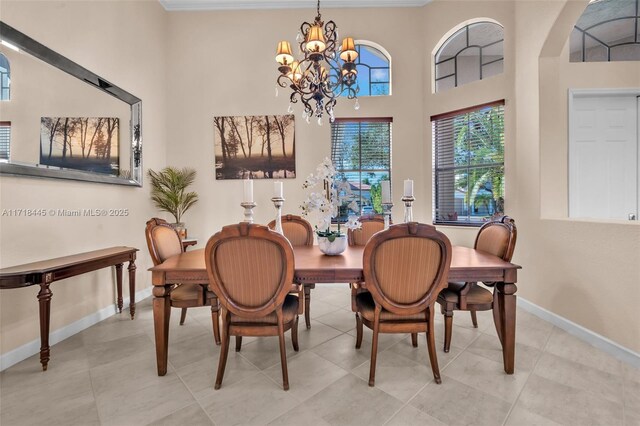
(311, 266)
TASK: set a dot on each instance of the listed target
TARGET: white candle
(248, 191)
(277, 190)
(386, 192)
(408, 188)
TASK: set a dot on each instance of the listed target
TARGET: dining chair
(251, 269)
(405, 267)
(497, 237)
(299, 232)
(163, 242)
(359, 237)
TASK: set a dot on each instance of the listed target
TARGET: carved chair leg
(307, 305)
(283, 351)
(414, 340)
(374, 348)
(183, 315)
(215, 319)
(294, 334)
(448, 329)
(224, 350)
(474, 319)
(431, 346)
(358, 331)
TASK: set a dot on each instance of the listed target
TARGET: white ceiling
(283, 4)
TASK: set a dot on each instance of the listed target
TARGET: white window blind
(5, 140)
(361, 153)
(468, 159)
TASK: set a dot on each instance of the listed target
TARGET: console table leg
(44, 298)
(119, 285)
(132, 286)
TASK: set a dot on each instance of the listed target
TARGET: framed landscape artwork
(255, 146)
(81, 143)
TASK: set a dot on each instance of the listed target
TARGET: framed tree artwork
(255, 146)
(81, 143)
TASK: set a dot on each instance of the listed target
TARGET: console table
(45, 272)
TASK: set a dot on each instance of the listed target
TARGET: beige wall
(221, 63)
(123, 42)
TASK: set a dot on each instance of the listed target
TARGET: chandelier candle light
(310, 78)
(387, 204)
(408, 200)
(278, 202)
(247, 202)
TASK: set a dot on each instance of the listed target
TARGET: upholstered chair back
(298, 230)
(250, 268)
(406, 266)
(370, 225)
(163, 240)
(498, 238)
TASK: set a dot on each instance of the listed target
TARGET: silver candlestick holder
(248, 211)
(278, 202)
(408, 208)
(386, 212)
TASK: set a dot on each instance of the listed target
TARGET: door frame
(592, 93)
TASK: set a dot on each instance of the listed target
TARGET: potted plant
(334, 195)
(168, 192)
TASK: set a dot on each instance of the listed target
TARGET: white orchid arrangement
(327, 202)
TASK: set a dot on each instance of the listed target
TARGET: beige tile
(317, 335)
(320, 308)
(581, 377)
(65, 401)
(570, 347)
(631, 418)
(421, 354)
(255, 400)
(461, 337)
(129, 390)
(297, 417)
(100, 354)
(385, 340)
(631, 373)
(350, 401)
(342, 351)
(67, 357)
(116, 327)
(264, 352)
(567, 405)
(455, 403)
(200, 376)
(186, 351)
(308, 374)
(489, 347)
(192, 415)
(486, 375)
(530, 330)
(396, 375)
(520, 416)
(410, 416)
(632, 396)
(341, 319)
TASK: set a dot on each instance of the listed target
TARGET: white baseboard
(29, 349)
(594, 339)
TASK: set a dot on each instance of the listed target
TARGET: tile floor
(107, 375)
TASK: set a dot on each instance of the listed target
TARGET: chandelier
(311, 79)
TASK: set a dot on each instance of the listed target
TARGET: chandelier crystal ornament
(311, 79)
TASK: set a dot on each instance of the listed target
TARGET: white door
(603, 157)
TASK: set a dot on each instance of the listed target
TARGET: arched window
(608, 30)
(5, 78)
(474, 52)
(374, 69)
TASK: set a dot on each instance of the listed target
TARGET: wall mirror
(60, 120)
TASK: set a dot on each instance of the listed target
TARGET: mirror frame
(28, 45)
